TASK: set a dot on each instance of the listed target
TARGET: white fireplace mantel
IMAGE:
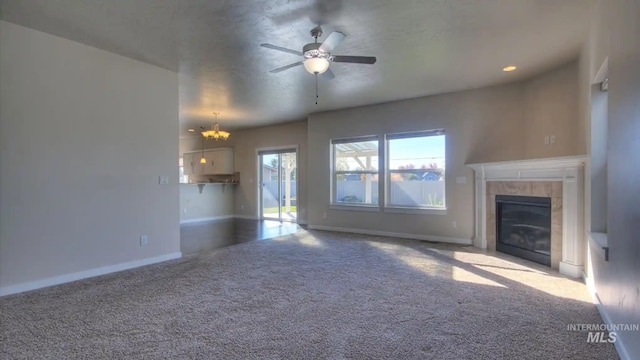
(569, 170)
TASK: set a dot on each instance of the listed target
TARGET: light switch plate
(461, 180)
(163, 180)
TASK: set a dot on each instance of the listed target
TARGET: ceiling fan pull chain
(316, 88)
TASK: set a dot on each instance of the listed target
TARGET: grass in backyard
(274, 209)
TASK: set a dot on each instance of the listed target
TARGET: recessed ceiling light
(190, 130)
(509, 68)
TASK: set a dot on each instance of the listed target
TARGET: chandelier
(215, 132)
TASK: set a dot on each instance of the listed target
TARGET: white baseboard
(575, 271)
(225, 217)
(435, 238)
(206, 219)
(619, 344)
(56, 280)
(590, 286)
(247, 217)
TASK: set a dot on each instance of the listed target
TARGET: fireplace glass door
(524, 227)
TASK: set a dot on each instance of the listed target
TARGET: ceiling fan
(317, 56)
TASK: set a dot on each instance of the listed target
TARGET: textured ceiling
(423, 47)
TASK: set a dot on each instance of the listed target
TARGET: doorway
(278, 184)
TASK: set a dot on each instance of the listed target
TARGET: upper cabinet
(219, 162)
(189, 164)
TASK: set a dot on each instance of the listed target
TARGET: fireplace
(561, 179)
(523, 227)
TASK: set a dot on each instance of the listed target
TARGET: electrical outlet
(163, 180)
(184, 211)
(461, 180)
(552, 139)
(454, 224)
(144, 240)
(324, 215)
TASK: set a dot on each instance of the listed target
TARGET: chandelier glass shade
(215, 133)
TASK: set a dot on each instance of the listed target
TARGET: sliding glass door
(278, 184)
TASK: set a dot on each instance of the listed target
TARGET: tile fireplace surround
(560, 179)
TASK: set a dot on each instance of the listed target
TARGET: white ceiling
(423, 47)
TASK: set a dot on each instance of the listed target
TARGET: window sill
(416, 210)
(601, 243)
(365, 208)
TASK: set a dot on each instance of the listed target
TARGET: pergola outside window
(355, 171)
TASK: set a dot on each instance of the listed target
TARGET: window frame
(418, 209)
(333, 203)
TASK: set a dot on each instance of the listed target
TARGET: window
(416, 169)
(355, 171)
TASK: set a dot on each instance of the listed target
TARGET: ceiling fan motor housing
(316, 32)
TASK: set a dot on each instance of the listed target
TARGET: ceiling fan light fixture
(317, 56)
(316, 65)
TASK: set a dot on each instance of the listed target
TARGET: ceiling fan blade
(286, 67)
(327, 75)
(280, 48)
(333, 40)
(355, 59)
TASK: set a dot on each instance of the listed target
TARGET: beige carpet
(314, 295)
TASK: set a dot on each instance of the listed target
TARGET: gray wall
(489, 124)
(598, 159)
(551, 108)
(614, 35)
(84, 136)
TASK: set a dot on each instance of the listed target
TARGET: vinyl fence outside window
(355, 171)
(415, 170)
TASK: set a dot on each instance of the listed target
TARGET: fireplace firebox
(523, 227)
